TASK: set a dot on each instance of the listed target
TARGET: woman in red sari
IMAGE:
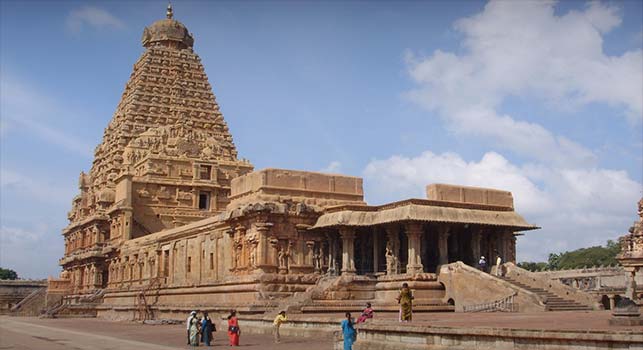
(233, 328)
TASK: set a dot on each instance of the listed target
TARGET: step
(572, 308)
(384, 308)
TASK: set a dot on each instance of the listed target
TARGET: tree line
(577, 259)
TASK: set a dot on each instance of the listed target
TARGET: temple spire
(169, 12)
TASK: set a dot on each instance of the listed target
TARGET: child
(366, 314)
(281, 318)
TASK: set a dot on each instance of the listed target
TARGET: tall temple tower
(166, 158)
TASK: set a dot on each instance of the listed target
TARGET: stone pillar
(630, 284)
(309, 256)
(475, 246)
(348, 250)
(492, 249)
(612, 302)
(414, 234)
(392, 251)
(505, 241)
(264, 258)
(332, 253)
(126, 225)
(443, 244)
(511, 248)
(376, 249)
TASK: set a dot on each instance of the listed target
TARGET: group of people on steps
(200, 329)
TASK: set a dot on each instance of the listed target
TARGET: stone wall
(535, 280)
(373, 336)
(304, 186)
(471, 195)
(14, 291)
(467, 286)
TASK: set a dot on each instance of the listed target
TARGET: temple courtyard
(92, 333)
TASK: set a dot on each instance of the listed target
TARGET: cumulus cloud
(90, 16)
(524, 49)
(575, 207)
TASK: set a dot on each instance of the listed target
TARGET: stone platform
(454, 331)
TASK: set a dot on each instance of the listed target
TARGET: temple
(169, 218)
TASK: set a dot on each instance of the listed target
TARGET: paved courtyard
(84, 334)
(96, 334)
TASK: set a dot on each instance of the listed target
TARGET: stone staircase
(553, 301)
(31, 305)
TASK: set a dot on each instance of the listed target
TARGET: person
(234, 332)
(189, 322)
(348, 331)
(207, 327)
(194, 331)
(498, 262)
(482, 264)
(281, 318)
(405, 299)
(366, 314)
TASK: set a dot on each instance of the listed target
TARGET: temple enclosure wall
(12, 292)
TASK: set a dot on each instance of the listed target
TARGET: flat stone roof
(424, 211)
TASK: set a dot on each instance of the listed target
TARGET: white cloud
(575, 207)
(333, 167)
(522, 48)
(94, 17)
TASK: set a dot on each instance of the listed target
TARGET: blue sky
(540, 98)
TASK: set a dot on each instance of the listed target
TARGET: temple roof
(425, 211)
(167, 31)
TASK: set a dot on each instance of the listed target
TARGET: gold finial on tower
(169, 12)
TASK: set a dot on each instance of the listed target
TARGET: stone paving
(22, 333)
(34, 333)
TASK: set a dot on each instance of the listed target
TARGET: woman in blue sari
(348, 331)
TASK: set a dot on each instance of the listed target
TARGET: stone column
(443, 244)
(310, 251)
(505, 241)
(332, 253)
(264, 256)
(630, 284)
(348, 250)
(376, 249)
(392, 250)
(414, 233)
(511, 248)
(491, 247)
(126, 225)
(612, 302)
(475, 246)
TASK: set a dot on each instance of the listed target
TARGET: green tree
(533, 266)
(8, 274)
(579, 258)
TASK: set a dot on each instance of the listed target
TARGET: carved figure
(391, 260)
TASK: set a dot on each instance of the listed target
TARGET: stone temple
(170, 219)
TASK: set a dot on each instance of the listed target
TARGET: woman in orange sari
(233, 328)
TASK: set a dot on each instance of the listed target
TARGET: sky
(540, 98)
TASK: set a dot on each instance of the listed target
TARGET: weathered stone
(169, 218)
